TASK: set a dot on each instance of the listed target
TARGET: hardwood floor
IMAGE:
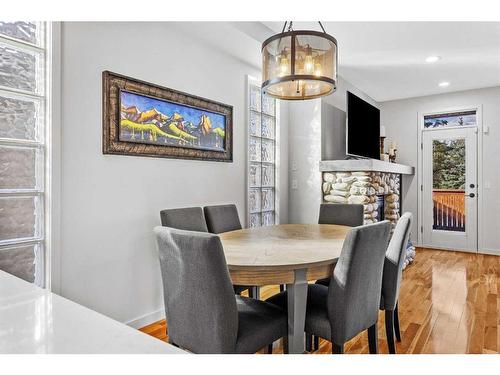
(449, 303)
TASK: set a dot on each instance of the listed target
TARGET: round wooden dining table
(290, 254)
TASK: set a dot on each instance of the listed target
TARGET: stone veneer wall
(363, 188)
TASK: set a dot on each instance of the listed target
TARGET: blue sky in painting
(145, 103)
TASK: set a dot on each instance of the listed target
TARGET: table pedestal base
(297, 302)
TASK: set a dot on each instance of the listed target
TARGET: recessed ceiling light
(444, 84)
(432, 59)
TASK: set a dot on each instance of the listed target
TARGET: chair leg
(285, 345)
(337, 349)
(309, 341)
(316, 343)
(270, 349)
(372, 339)
(396, 324)
(254, 292)
(389, 330)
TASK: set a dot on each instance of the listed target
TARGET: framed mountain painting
(143, 119)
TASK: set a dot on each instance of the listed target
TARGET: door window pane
(448, 184)
(446, 120)
(18, 68)
(19, 217)
(18, 167)
(18, 118)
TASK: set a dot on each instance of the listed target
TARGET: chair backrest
(341, 214)
(223, 218)
(189, 218)
(355, 288)
(394, 260)
(199, 297)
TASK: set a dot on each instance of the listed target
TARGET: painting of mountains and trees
(144, 119)
(149, 120)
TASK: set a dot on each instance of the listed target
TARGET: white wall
(110, 204)
(305, 151)
(401, 120)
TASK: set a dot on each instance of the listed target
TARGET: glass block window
(23, 101)
(262, 126)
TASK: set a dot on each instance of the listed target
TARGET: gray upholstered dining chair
(189, 218)
(351, 215)
(204, 315)
(222, 218)
(391, 280)
(340, 214)
(193, 218)
(350, 304)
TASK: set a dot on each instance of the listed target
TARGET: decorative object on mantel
(392, 152)
(299, 64)
(382, 139)
(383, 155)
(143, 119)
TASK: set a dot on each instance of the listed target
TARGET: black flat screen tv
(362, 128)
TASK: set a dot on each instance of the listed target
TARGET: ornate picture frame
(144, 119)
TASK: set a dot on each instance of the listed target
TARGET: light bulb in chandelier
(317, 70)
(308, 61)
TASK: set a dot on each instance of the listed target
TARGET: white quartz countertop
(34, 320)
(364, 165)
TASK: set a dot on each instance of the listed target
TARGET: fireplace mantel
(369, 165)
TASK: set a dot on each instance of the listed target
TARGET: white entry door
(449, 188)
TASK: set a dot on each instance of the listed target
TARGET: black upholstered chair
(222, 218)
(350, 304)
(189, 218)
(391, 281)
(204, 315)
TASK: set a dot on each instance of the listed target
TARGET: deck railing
(449, 209)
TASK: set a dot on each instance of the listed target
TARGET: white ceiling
(386, 60)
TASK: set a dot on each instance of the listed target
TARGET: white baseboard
(480, 251)
(146, 319)
(490, 251)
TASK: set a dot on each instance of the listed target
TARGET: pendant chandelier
(299, 64)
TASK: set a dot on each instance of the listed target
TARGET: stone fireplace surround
(364, 181)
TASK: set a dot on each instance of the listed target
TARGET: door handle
(471, 195)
